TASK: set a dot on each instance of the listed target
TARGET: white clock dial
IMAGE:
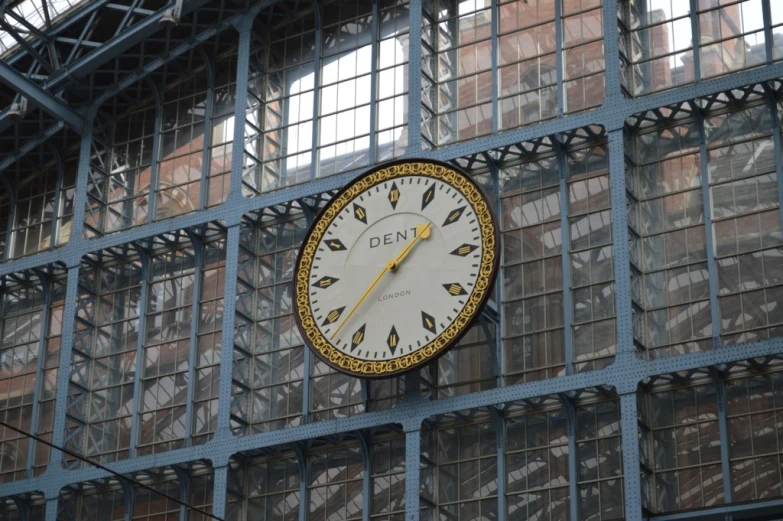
(393, 271)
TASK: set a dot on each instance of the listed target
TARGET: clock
(395, 268)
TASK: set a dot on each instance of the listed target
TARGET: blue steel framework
(624, 374)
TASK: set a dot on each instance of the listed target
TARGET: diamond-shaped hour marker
(464, 250)
(393, 340)
(455, 289)
(325, 282)
(454, 216)
(360, 213)
(357, 337)
(428, 196)
(394, 195)
(335, 245)
(333, 315)
(428, 322)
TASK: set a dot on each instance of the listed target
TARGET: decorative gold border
(454, 331)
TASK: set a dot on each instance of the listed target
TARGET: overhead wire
(110, 471)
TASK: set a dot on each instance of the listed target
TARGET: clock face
(395, 268)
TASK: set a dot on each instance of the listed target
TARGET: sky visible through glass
(35, 13)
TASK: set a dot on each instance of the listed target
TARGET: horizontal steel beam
(770, 509)
(231, 211)
(626, 371)
(40, 97)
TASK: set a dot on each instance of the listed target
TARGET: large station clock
(395, 268)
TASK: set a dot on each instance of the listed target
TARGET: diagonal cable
(110, 471)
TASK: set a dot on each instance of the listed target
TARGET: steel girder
(497, 146)
(51, 104)
(85, 55)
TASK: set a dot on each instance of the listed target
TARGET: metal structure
(112, 239)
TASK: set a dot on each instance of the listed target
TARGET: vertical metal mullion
(559, 71)
(412, 471)
(227, 335)
(317, 13)
(414, 78)
(193, 350)
(183, 480)
(219, 490)
(52, 503)
(71, 291)
(495, 20)
(500, 363)
(240, 106)
(64, 369)
(611, 29)
(500, 433)
(127, 498)
(58, 185)
(573, 468)
(630, 453)
(304, 501)
(374, 81)
(152, 197)
(307, 359)
(39, 373)
(620, 245)
(696, 39)
(80, 194)
(723, 426)
(766, 11)
(139, 372)
(712, 269)
(565, 257)
(365, 443)
(9, 227)
(207, 153)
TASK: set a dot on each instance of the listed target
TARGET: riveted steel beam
(48, 102)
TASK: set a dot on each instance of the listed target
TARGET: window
(591, 258)
(746, 223)
(181, 147)
(269, 359)
(532, 273)
(673, 288)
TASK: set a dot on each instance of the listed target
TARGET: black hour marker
(394, 195)
(428, 322)
(357, 337)
(325, 282)
(454, 216)
(464, 250)
(333, 315)
(455, 289)
(336, 245)
(393, 340)
(360, 213)
(428, 196)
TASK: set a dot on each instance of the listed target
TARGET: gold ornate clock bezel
(488, 270)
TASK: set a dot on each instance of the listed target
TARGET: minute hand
(422, 231)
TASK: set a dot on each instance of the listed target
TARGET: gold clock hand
(364, 296)
(423, 230)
